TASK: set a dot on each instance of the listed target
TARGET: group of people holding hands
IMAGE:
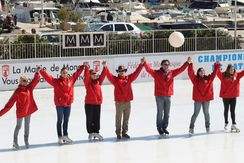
(123, 95)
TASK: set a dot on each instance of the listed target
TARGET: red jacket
(202, 87)
(164, 83)
(122, 84)
(230, 87)
(23, 96)
(63, 87)
(93, 88)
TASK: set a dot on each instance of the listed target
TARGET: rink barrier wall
(11, 70)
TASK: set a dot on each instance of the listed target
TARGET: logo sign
(99, 40)
(5, 70)
(84, 40)
(96, 66)
(70, 40)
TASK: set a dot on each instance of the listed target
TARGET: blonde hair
(22, 78)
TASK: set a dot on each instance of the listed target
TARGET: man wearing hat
(122, 96)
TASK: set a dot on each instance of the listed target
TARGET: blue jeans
(163, 109)
(63, 113)
(197, 108)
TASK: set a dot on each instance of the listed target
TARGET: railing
(32, 46)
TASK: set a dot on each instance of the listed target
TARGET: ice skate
(125, 136)
(191, 131)
(90, 137)
(27, 145)
(166, 132)
(234, 129)
(208, 130)
(60, 141)
(226, 127)
(15, 146)
(66, 140)
(160, 131)
(119, 137)
(97, 135)
(26, 142)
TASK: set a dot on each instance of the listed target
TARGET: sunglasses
(165, 64)
(121, 71)
(24, 81)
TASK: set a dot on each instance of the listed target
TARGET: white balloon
(176, 39)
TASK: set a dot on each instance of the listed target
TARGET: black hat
(121, 68)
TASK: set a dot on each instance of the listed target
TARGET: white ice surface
(144, 145)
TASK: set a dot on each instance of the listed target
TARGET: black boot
(160, 131)
(119, 137)
(166, 131)
(126, 136)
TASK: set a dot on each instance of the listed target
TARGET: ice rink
(144, 146)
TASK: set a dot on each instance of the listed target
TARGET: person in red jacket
(202, 93)
(163, 90)
(63, 98)
(229, 91)
(122, 96)
(93, 101)
(25, 106)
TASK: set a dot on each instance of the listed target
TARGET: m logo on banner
(84, 40)
(70, 40)
(5, 70)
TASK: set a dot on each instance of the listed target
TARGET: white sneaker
(15, 146)
(226, 125)
(90, 137)
(60, 141)
(234, 128)
(97, 135)
(66, 140)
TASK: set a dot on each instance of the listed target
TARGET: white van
(118, 27)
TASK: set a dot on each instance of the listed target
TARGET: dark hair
(64, 68)
(198, 70)
(227, 71)
(164, 61)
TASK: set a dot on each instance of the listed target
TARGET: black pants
(229, 103)
(92, 118)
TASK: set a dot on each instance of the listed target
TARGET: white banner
(12, 70)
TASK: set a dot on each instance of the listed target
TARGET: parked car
(7, 22)
(184, 25)
(51, 37)
(118, 27)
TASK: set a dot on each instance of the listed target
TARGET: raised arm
(219, 73)
(47, 77)
(77, 73)
(191, 72)
(214, 73)
(109, 75)
(86, 75)
(9, 104)
(240, 74)
(135, 74)
(102, 76)
(177, 71)
(35, 80)
(149, 69)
